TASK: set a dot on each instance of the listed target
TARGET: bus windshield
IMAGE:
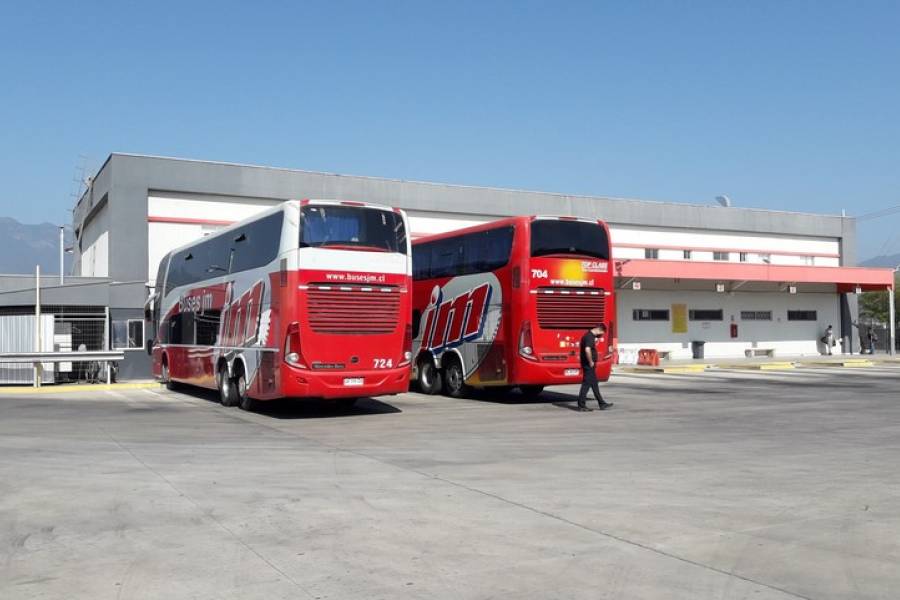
(550, 237)
(351, 227)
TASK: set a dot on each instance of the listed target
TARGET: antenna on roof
(724, 201)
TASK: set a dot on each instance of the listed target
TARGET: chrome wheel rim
(455, 376)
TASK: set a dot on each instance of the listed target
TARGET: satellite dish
(724, 201)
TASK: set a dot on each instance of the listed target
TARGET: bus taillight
(292, 354)
(526, 346)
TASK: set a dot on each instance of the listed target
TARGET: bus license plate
(353, 381)
(572, 372)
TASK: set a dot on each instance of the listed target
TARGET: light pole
(62, 254)
(892, 332)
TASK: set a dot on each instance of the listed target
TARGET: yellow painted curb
(74, 388)
(838, 363)
(685, 369)
(674, 369)
(770, 366)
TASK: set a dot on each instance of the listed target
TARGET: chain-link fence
(880, 341)
(74, 328)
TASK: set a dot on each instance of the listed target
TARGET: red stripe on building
(730, 250)
(848, 278)
(188, 221)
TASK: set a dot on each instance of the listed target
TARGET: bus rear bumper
(297, 383)
(536, 373)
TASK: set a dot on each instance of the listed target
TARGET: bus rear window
(352, 228)
(550, 237)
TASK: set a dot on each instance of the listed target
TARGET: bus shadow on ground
(516, 397)
(289, 408)
(293, 408)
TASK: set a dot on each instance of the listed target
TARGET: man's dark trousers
(589, 381)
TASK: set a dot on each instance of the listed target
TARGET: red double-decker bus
(504, 304)
(307, 299)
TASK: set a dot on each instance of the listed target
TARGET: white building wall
(787, 338)
(94, 255)
(176, 219)
(422, 223)
(631, 242)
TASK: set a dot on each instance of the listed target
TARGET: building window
(717, 255)
(801, 315)
(649, 314)
(809, 260)
(705, 315)
(766, 258)
(128, 335)
(687, 255)
(743, 257)
(651, 253)
(756, 315)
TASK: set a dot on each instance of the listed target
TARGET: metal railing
(38, 358)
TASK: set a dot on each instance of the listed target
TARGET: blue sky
(783, 105)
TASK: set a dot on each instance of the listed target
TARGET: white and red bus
(309, 299)
(504, 304)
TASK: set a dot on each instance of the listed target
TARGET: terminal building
(691, 279)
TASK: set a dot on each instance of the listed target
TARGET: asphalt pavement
(724, 484)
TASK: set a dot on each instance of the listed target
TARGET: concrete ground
(724, 484)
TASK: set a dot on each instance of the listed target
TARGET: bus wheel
(227, 389)
(164, 375)
(455, 380)
(429, 378)
(531, 392)
(240, 383)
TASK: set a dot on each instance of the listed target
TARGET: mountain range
(25, 246)
(885, 260)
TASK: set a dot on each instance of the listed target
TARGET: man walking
(828, 340)
(873, 337)
(588, 353)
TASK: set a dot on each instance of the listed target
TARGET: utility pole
(38, 367)
(62, 255)
(892, 333)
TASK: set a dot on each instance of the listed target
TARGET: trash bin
(697, 349)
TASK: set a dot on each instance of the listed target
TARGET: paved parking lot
(724, 484)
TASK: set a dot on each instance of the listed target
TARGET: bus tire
(241, 390)
(227, 388)
(531, 392)
(429, 378)
(455, 379)
(166, 378)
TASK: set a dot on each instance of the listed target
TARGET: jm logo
(450, 323)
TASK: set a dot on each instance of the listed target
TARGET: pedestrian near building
(828, 339)
(873, 338)
(588, 352)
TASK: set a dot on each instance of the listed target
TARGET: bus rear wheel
(241, 390)
(429, 378)
(227, 390)
(455, 380)
(166, 377)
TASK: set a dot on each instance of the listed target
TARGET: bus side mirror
(149, 345)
